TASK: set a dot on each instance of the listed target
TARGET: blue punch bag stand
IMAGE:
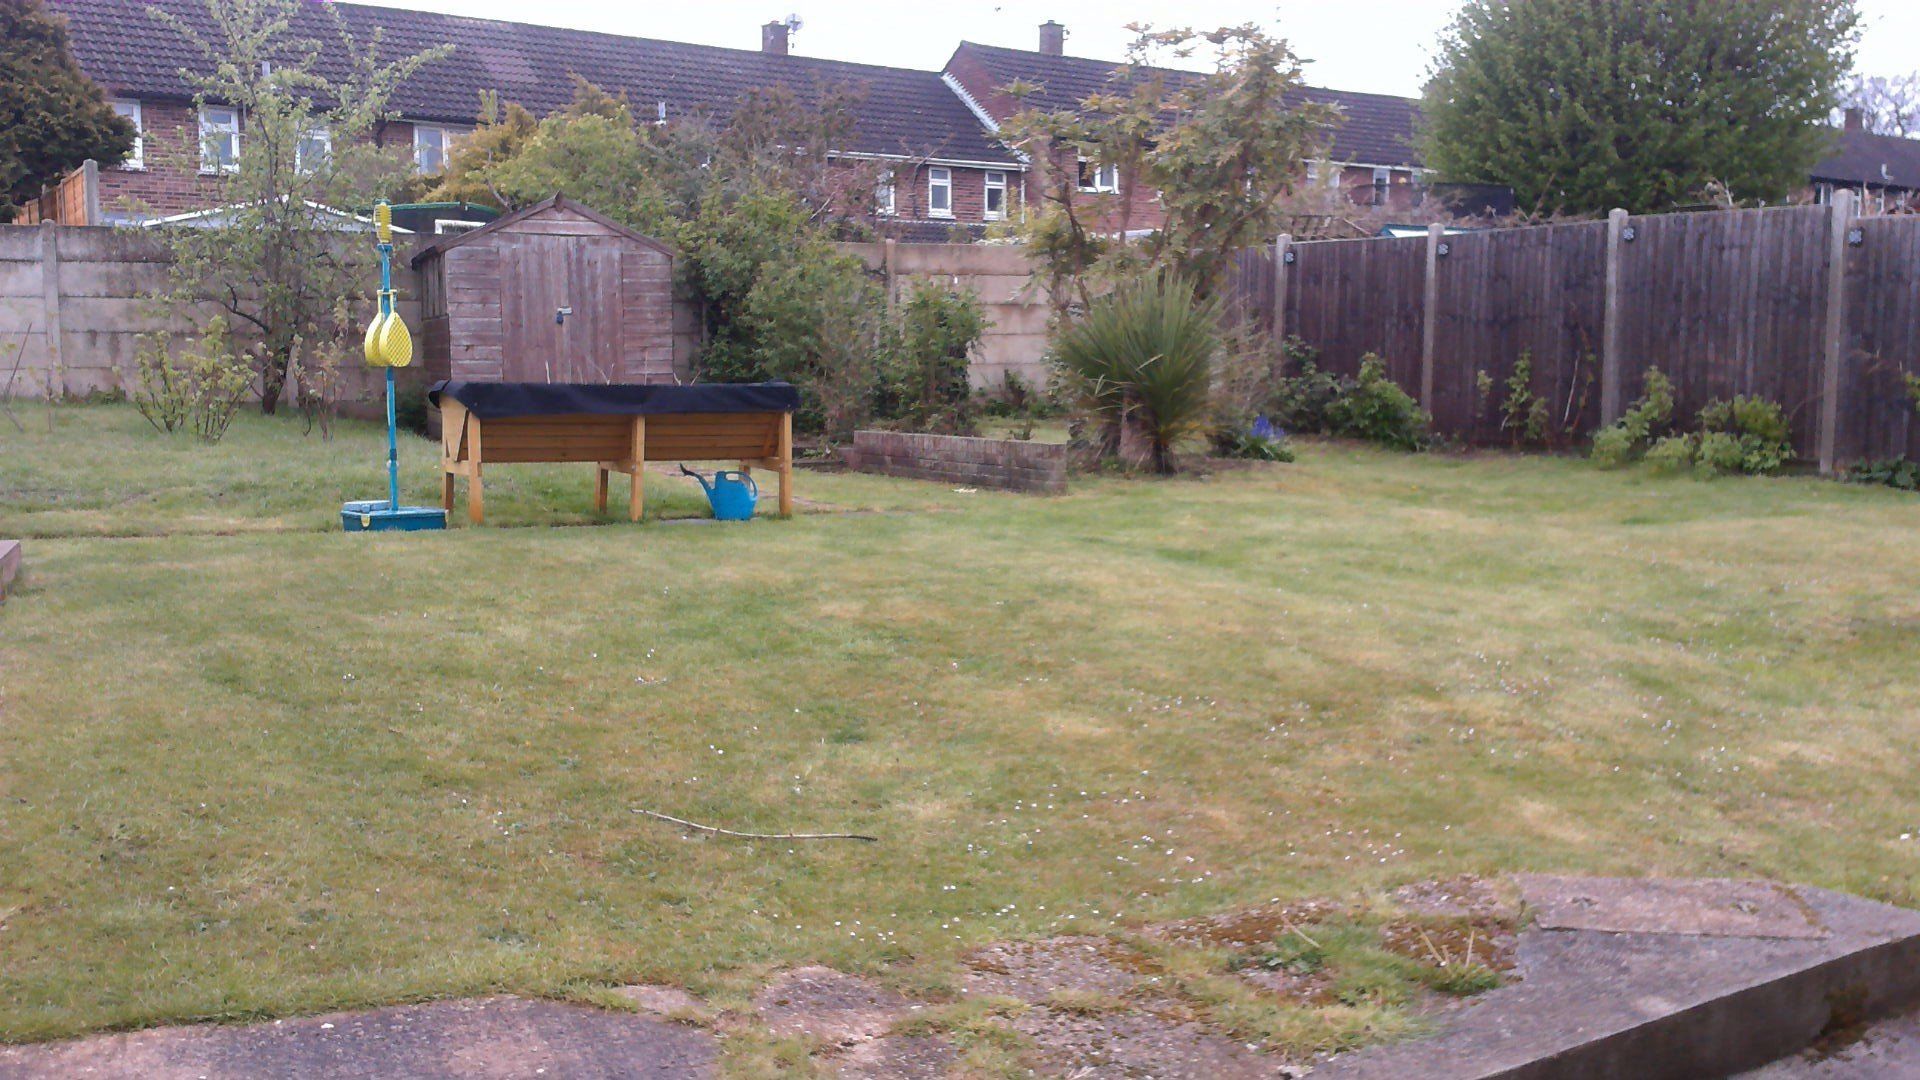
(389, 346)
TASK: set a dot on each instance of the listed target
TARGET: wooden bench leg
(600, 489)
(636, 505)
(446, 488)
(786, 465)
(476, 496)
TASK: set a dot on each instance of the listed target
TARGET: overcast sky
(1378, 45)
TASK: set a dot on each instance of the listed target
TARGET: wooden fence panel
(1882, 345)
(1538, 293)
(1348, 298)
(1728, 304)
(1723, 303)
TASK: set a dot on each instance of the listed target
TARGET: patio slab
(1690, 998)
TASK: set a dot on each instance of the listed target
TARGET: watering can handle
(751, 486)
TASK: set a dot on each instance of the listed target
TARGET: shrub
(1374, 408)
(1300, 402)
(1370, 406)
(1760, 429)
(1141, 359)
(1017, 397)
(1523, 414)
(926, 384)
(200, 391)
(1627, 438)
(1257, 441)
(1671, 454)
(1897, 473)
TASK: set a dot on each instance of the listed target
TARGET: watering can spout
(708, 488)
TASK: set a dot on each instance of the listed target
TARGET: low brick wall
(1038, 468)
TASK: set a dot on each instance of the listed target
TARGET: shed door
(541, 276)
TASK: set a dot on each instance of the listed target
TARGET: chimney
(1053, 38)
(1856, 118)
(773, 39)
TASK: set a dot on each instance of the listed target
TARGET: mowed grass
(250, 766)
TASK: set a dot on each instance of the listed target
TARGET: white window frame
(321, 135)
(939, 179)
(230, 129)
(130, 108)
(885, 199)
(446, 141)
(1382, 185)
(1103, 179)
(995, 180)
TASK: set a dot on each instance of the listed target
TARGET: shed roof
(544, 207)
(906, 113)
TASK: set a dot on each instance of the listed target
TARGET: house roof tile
(1858, 157)
(1375, 129)
(905, 112)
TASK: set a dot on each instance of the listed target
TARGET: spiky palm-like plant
(1141, 359)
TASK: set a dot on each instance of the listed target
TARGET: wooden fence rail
(1811, 307)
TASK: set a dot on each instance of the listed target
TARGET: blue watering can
(731, 494)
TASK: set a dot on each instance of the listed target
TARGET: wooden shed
(552, 293)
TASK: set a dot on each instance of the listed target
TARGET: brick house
(1371, 157)
(943, 170)
(1883, 169)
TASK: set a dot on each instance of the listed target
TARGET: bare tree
(1890, 104)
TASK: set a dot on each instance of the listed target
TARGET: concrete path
(489, 1037)
(1667, 979)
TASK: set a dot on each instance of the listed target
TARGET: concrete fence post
(887, 256)
(50, 305)
(1610, 403)
(1833, 334)
(90, 192)
(1430, 314)
(1281, 246)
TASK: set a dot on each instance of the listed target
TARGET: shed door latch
(560, 315)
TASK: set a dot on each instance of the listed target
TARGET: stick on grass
(755, 836)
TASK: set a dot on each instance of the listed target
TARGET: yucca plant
(1141, 360)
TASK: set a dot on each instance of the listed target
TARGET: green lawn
(251, 766)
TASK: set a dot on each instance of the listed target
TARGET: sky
(1379, 46)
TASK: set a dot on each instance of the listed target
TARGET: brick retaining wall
(1037, 468)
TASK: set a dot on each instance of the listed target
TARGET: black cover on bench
(498, 400)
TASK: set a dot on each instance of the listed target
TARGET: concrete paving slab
(10, 561)
(482, 1038)
(1668, 906)
(1666, 1005)
(1889, 1050)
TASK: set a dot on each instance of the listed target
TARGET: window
(996, 196)
(1100, 178)
(883, 194)
(313, 149)
(1313, 173)
(219, 139)
(940, 192)
(429, 149)
(137, 157)
(1823, 194)
(1382, 180)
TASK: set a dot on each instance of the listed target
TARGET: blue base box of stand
(377, 515)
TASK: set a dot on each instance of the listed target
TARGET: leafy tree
(1585, 105)
(52, 117)
(277, 264)
(1223, 150)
